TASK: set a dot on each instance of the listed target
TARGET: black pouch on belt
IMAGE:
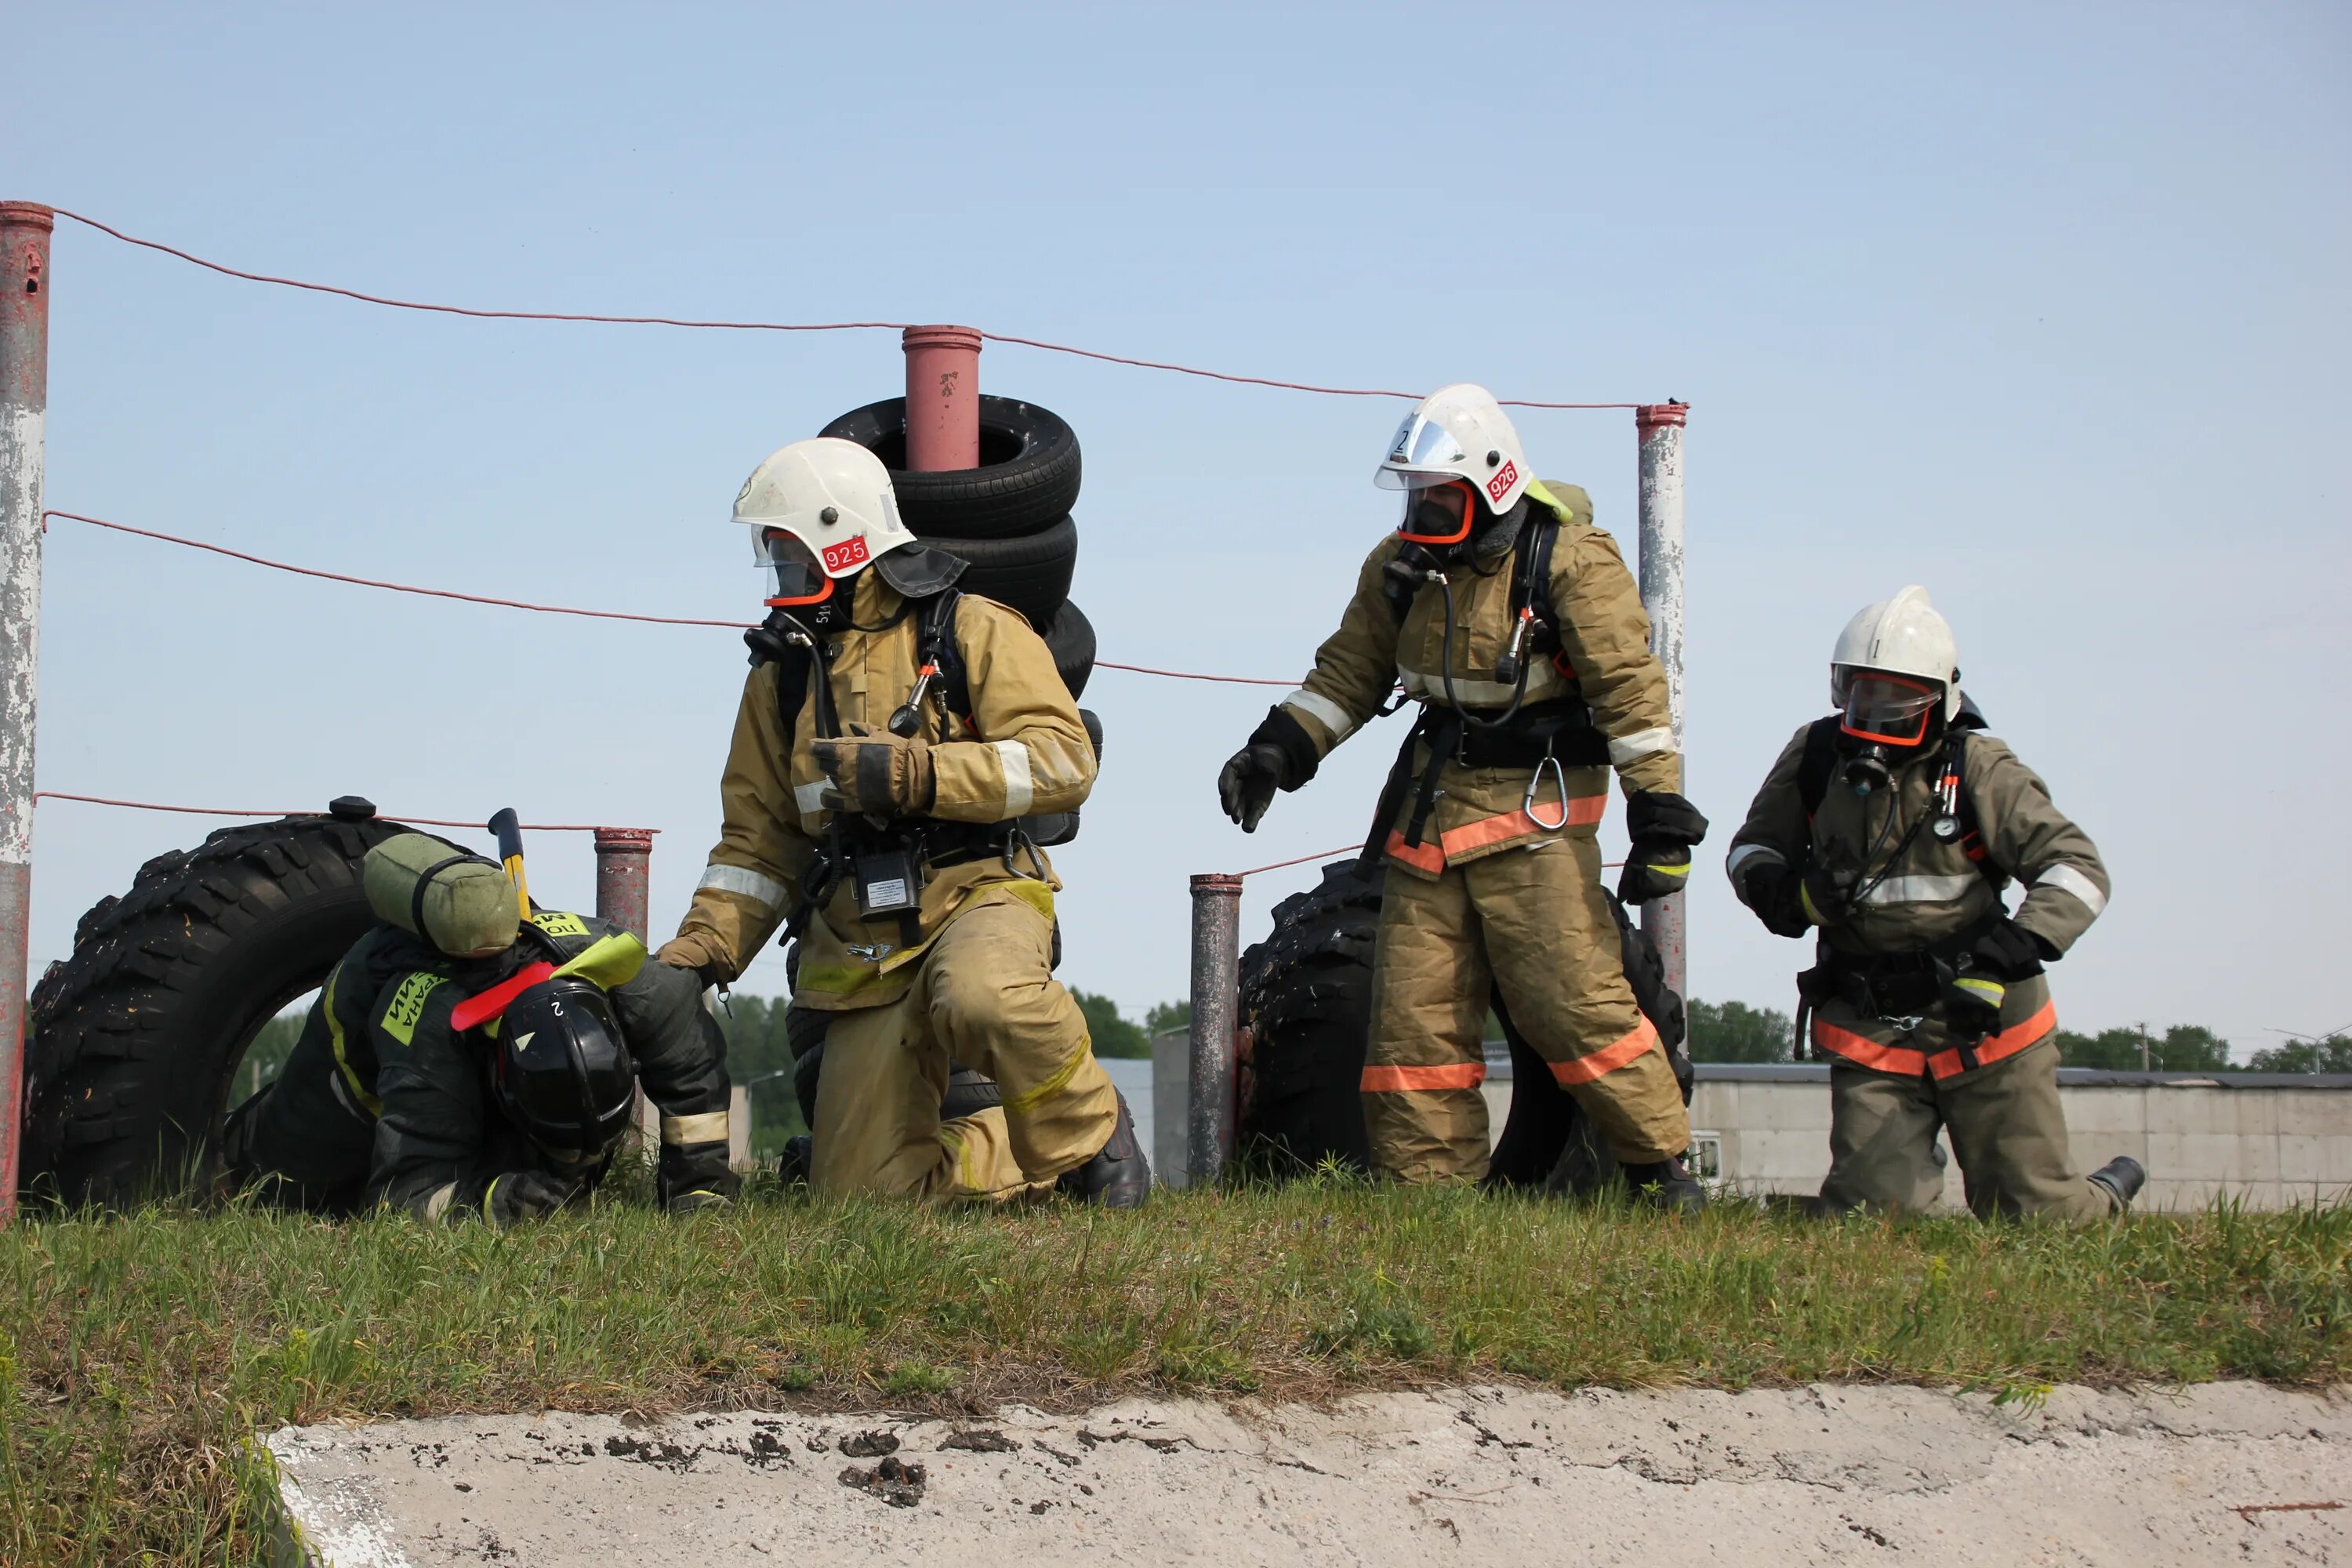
(888, 883)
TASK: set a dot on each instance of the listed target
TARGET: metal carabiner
(1535, 781)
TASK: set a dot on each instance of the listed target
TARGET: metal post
(1217, 984)
(25, 229)
(1659, 427)
(624, 857)
(942, 399)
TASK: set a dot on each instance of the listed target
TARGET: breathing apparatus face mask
(800, 583)
(1438, 515)
(1884, 719)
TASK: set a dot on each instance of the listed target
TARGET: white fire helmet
(1893, 662)
(1458, 432)
(818, 511)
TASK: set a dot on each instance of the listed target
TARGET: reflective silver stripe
(709, 1127)
(755, 885)
(1019, 788)
(2068, 879)
(1640, 743)
(810, 797)
(1743, 853)
(1922, 890)
(1323, 710)
(438, 1204)
(1474, 693)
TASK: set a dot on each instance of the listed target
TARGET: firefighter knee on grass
(471, 1056)
(898, 748)
(1893, 828)
(1512, 621)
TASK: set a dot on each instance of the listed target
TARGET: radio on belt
(888, 883)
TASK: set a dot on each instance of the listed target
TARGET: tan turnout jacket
(1025, 752)
(1605, 646)
(1933, 890)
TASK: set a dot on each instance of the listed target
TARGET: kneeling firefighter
(1512, 622)
(471, 1056)
(1895, 825)
(898, 752)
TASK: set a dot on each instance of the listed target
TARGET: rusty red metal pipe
(25, 229)
(942, 399)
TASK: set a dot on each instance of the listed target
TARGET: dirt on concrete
(1832, 1474)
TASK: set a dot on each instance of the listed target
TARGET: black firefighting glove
(1278, 756)
(514, 1196)
(1663, 827)
(1773, 892)
(1790, 903)
(1979, 966)
(695, 1176)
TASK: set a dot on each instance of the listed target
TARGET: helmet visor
(1892, 710)
(1438, 514)
(1424, 453)
(793, 567)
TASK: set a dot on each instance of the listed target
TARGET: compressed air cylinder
(461, 903)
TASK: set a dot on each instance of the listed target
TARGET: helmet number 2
(1500, 484)
(843, 556)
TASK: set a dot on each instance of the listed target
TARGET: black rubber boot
(2123, 1176)
(1664, 1184)
(792, 1165)
(1118, 1176)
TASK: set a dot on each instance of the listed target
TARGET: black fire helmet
(562, 1071)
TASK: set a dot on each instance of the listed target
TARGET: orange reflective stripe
(2008, 1042)
(1583, 811)
(1609, 1058)
(1452, 1075)
(1864, 1052)
(1428, 856)
(1869, 1053)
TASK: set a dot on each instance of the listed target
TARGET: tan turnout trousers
(1534, 923)
(2008, 1133)
(984, 997)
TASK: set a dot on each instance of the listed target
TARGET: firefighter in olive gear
(1513, 624)
(1895, 825)
(462, 1060)
(900, 750)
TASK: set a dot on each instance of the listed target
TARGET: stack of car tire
(1009, 519)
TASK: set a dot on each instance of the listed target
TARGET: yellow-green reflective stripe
(335, 1039)
(1060, 1080)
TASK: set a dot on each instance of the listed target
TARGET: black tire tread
(110, 1112)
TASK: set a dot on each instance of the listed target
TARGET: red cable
(771, 327)
(544, 609)
(394, 587)
(1301, 860)
(40, 794)
(1188, 675)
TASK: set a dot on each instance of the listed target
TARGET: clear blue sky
(2044, 307)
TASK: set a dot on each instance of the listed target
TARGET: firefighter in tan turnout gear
(1895, 825)
(1513, 624)
(893, 738)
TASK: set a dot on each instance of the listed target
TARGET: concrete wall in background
(2271, 1139)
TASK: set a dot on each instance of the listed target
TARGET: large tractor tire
(1027, 477)
(1305, 1012)
(132, 1041)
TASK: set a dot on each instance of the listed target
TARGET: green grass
(137, 1354)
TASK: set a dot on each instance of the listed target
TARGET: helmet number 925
(839, 558)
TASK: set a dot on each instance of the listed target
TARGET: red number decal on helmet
(842, 557)
(1500, 484)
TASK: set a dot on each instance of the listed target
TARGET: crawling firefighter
(1894, 827)
(470, 1056)
(1513, 624)
(900, 751)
